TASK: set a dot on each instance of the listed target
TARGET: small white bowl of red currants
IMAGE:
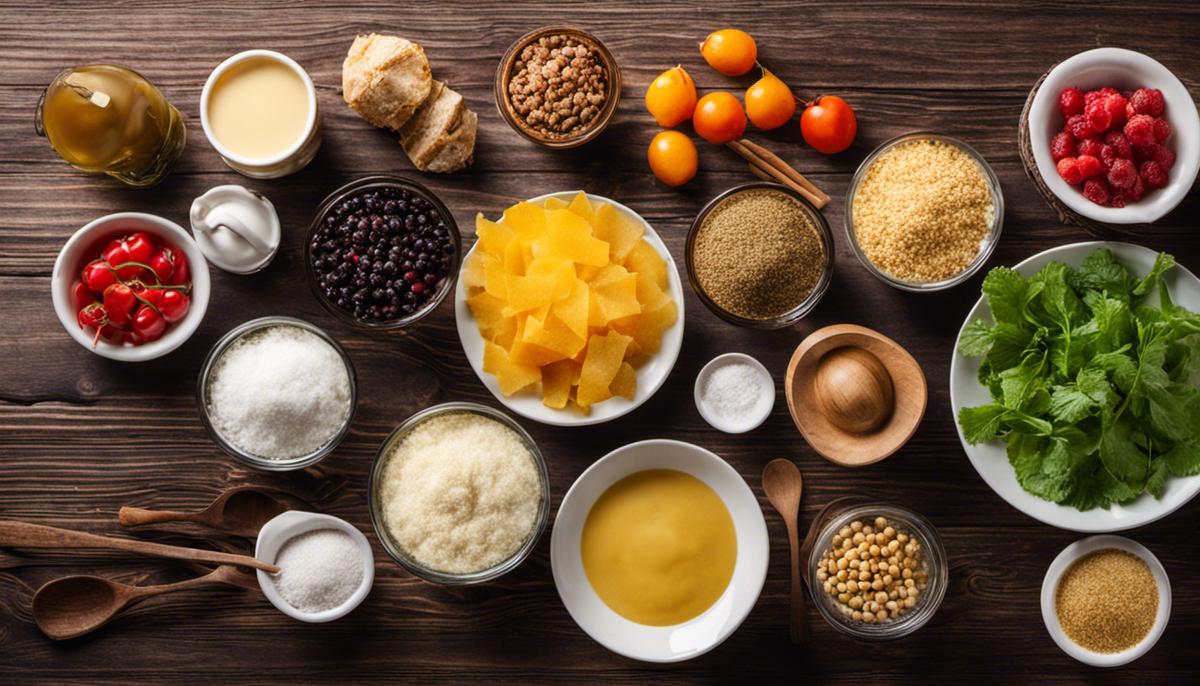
(130, 286)
(1116, 136)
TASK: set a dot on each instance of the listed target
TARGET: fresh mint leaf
(1120, 455)
(1037, 470)
(1162, 264)
(1068, 404)
(1183, 459)
(1005, 290)
(982, 423)
(1101, 272)
(1156, 482)
(976, 339)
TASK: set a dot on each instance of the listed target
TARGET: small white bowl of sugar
(734, 393)
(326, 565)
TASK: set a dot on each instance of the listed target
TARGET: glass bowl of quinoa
(924, 212)
(759, 255)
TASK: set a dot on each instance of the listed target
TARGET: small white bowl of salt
(734, 393)
(326, 565)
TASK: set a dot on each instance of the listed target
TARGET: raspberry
(1068, 169)
(1098, 116)
(1119, 144)
(1070, 102)
(1116, 200)
(1152, 174)
(1122, 174)
(1098, 94)
(1162, 155)
(1139, 189)
(1148, 101)
(1062, 145)
(1140, 129)
(1097, 191)
(1162, 130)
(1088, 166)
(1079, 127)
(1090, 146)
(1115, 104)
(1129, 111)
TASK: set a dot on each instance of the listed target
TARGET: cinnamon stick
(771, 164)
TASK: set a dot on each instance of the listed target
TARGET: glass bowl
(804, 308)
(905, 521)
(445, 286)
(986, 247)
(612, 95)
(300, 461)
(398, 553)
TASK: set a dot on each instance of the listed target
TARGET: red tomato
(183, 274)
(162, 263)
(81, 295)
(829, 125)
(117, 254)
(148, 323)
(119, 302)
(174, 306)
(140, 246)
(97, 276)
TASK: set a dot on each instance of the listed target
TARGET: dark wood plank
(80, 436)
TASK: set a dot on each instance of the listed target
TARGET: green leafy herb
(1094, 387)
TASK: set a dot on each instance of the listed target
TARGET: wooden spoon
(783, 485)
(75, 605)
(25, 535)
(241, 511)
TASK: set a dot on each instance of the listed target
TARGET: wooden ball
(854, 390)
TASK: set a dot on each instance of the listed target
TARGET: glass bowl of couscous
(924, 212)
(877, 572)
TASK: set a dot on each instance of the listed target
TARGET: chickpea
(841, 575)
(864, 575)
(856, 616)
(842, 563)
(880, 522)
(859, 537)
(845, 532)
(856, 526)
(910, 601)
(874, 550)
(856, 603)
(844, 597)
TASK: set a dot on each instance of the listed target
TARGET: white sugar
(279, 393)
(319, 570)
(736, 394)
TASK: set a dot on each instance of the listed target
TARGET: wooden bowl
(613, 92)
(856, 395)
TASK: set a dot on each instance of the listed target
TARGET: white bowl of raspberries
(1115, 136)
(130, 286)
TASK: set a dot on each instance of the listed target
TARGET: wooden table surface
(80, 436)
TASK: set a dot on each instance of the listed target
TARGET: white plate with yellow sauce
(684, 551)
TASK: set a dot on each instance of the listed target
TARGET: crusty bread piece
(385, 79)
(459, 150)
(426, 133)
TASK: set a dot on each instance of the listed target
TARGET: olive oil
(108, 119)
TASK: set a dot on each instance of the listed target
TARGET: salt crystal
(319, 570)
(736, 393)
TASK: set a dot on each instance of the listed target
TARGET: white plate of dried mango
(569, 308)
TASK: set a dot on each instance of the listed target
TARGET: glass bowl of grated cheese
(459, 494)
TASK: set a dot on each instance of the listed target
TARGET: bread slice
(459, 150)
(385, 79)
(426, 133)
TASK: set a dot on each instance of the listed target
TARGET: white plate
(1119, 69)
(650, 377)
(990, 459)
(660, 643)
(1068, 557)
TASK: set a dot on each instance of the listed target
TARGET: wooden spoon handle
(226, 575)
(799, 608)
(136, 516)
(25, 535)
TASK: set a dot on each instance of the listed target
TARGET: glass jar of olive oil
(108, 119)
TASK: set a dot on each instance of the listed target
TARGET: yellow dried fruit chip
(514, 259)
(555, 204)
(653, 324)
(511, 375)
(570, 236)
(552, 335)
(526, 219)
(648, 292)
(581, 206)
(604, 357)
(624, 384)
(523, 352)
(493, 276)
(473, 276)
(561, 272)
(529, 292)
(644, 259)
(492, 236)
(617, 298)
(618, 229)
(488, 311)
(556, 383)
(573, 309)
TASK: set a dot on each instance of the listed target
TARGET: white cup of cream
(259, 110)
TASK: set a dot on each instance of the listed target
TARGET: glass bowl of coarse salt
(277, 393)
(459, 494)
(924, 212)
(734, 393)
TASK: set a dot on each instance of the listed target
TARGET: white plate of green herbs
(1074, 385)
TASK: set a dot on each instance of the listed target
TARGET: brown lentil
(923, 211)
(874, 571)
(757, 254)
(1107, 601)
(558, 85)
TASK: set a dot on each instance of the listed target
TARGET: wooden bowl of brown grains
(558, 86)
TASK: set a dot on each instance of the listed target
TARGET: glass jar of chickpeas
(877, 572)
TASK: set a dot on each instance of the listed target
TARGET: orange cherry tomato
(671, 98)
(769, 102)
(829, 125)
(729, 51)
(673, 158)
(719, 118)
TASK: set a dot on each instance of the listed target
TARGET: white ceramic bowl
(762, 409)
(297, 155)
(650, 377)
(990, 459)
(1060, 565)
(291, 524)
(69, 265)
(660, 643)
(1120, 69)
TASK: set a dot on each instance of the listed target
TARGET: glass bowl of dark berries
(382, 252)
